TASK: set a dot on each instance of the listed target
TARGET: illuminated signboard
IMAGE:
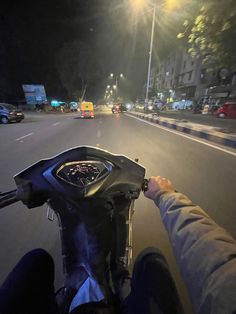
(34, 94)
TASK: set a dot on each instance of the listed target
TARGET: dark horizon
(35, 36)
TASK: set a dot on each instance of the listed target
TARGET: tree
(78, 67)
(211, 32)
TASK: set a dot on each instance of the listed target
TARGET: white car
(182, 104)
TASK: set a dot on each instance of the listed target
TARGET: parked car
(9, 113)
(228, 110)
(73, 106)
(139, 106)
(182, 104)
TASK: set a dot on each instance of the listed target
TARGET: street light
(138, 5)
(115, 87)
(150, 52)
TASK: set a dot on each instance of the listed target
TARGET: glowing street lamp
(115, 87)
(138, 5)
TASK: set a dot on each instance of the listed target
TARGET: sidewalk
(205, 132)
(205, 119)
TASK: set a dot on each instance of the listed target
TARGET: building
(166, 76)
(179, 77)
(188, 83)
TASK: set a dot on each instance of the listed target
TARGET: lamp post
(150, 55)
(138, 6)
(121, 75)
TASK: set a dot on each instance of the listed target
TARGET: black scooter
(92, 193)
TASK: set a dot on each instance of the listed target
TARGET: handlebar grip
(145, 185)
(8, 198)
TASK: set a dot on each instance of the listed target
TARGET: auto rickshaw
(87, 109)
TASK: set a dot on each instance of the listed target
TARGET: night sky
(42, 41)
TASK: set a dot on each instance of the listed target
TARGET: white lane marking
(186, 136)
(54, 124)
(20, 138)
(99, 133)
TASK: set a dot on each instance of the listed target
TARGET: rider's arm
(205, 252)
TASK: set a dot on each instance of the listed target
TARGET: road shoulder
(205, 132)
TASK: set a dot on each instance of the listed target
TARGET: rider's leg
(29, 287)
(152, 286)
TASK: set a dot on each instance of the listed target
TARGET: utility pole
(150, 55)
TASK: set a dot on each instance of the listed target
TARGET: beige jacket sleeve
(205, 254)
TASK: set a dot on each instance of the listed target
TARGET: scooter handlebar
(7, 198)
(145, 185)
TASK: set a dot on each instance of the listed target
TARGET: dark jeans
(153, 289)
(29, 288)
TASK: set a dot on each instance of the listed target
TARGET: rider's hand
(156, 184)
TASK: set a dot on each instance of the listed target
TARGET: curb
(205, 132)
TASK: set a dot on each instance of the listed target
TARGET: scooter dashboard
(80, 173)
(83, 173)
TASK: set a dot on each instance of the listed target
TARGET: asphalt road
(207, 175)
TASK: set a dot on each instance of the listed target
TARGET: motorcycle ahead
(92, 193)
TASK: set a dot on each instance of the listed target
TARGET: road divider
(205, 132)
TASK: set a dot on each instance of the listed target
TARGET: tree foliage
(79, 67)
(211, 32)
